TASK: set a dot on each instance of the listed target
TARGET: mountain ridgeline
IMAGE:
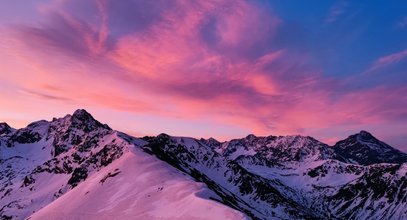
(48, 164)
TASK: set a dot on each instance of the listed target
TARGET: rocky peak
(211, 142)
(365, 137)
(278, 148)
(163, 136)
(363, 148)
(365, 134)
(74, 130)
(81, 119)
(299, 148)
(250, 137)
(366, 140)
(82, 114)
(4, 128)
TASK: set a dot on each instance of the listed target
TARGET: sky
(213, 68)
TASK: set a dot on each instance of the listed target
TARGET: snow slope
(138, 186)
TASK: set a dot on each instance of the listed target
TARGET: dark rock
(79, 175)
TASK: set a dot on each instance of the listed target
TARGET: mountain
(364, 149)
(78, 168)
(41, 162)
(237, 187)
(45, 160)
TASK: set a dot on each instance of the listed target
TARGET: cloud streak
(336, 11)
(389, 60)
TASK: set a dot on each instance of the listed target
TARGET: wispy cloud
(403, 22)
(44, 96)
(336, 11)
(388, 60)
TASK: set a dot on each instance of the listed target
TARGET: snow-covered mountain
(363, 148)
(46, 160)
(78, 168)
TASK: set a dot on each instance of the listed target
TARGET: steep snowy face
(363, 148)
(380, 193)
(41, 162)
(279, 149)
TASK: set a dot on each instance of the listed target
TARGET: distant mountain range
(78, 168)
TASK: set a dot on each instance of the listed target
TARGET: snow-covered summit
(365, 149)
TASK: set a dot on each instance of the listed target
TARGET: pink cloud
(388, 60)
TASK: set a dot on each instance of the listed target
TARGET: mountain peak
(251, 137)
(83, 119)
(4, 128)
(277, 148)
(4, 125)
(365, 134)
(365, 149)
(82, 114)
(211, 142)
